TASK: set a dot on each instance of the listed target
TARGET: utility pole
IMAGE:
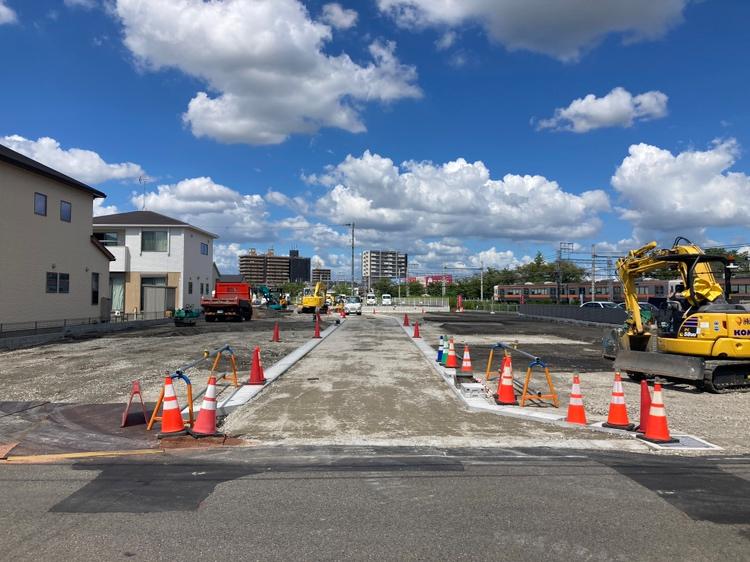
(351, 224)
(481, 281)
(593, 272)
(443, 280)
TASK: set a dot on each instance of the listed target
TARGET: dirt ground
(567, 349)
(100, 370)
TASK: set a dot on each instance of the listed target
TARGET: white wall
(198, 268)
(31, 244)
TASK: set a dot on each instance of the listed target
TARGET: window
(40, 204)
(66, 211)
(63, 283)
(94, 288)
(204, 249)
(51, 282)
(201, 289)
(190, 287)
(154, 241)
(58, 282)
(107, 238)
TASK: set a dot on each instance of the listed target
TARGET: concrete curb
(245, 393)
(481, 404)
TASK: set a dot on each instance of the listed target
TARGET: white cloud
(338, 17)
(86, 4)
(619, 108)
(297, 204)
(265, 66)
(692, 190)
(7, 15)
(446, 41)
(226, 257)
(84, 165)
(458, 198)
(214, 207)
(559, 28)
(101, 209)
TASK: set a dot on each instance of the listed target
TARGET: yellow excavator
(698, 338)
(314, 301)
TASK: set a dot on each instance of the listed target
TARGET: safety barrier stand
(155, 417)
(232, 363)
(526, 395)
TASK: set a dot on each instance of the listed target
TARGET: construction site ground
(366, 384)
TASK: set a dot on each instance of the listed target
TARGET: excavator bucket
(660, 364)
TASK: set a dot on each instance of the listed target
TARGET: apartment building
(162, 263)
(383, 264)
(320, 274)
(274, 270)
(52, 268)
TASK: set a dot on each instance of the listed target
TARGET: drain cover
(685, 443)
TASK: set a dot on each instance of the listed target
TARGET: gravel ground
(100, 369)
(718, 418)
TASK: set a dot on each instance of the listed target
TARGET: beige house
(51, 266)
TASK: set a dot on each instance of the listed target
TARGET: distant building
(299, 268)
(383, 264)
(52, 267)
(319, 274)
(272, 270)
(427, 279)
(162, 263)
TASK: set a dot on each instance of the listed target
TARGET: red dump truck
(231, 301)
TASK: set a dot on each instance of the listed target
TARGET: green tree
(434, 289)
(383, 286)
(292, 288)
(415, 288)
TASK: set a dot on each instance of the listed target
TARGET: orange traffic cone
(657, 430)
(451, 362)
(576, 412)
(416, 330)
(276, 337)
(506, 396)
(618, 412)
(406, 319)
(171, 419)
(466, 363)
(316, 335)
(257, 376)
(645, 406)
(205, 424)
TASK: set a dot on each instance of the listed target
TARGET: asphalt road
(379, 504)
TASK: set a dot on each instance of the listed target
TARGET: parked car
(599, 304)
(353, 306)
(385, 300)
(371, 299)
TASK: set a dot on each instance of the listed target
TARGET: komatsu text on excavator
(699, 338)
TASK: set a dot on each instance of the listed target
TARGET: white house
(162, 263)
(51, 267)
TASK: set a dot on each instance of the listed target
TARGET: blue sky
(447, 130)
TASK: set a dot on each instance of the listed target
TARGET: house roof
(21, 161)
(144, 218)
(231, 278)
(102, 248)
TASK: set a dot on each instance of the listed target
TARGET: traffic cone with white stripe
(576, 411)
(452, 362)
(440, 351)
(506, 396)
(276, 336)
(645, 406)
(257, 376)
(171, 418)
(466, 361)
(618, 412)
(205, 424)
(657, 430)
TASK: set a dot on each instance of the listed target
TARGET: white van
(385, 300)
(371, 299)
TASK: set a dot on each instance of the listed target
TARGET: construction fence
(12, 329)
